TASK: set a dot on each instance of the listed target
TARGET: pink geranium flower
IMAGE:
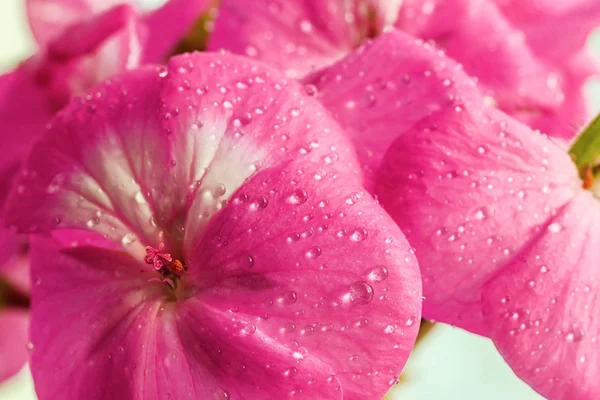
(517, 64)
(277, 274)
(506, 237)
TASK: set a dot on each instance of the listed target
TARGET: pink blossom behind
(507, 52)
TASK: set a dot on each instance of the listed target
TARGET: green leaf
(585, 152)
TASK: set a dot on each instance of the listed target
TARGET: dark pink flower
(511, 54)
(286, 277)
(166, 21)
(505, 236)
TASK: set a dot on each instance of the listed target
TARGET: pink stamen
(157, 257)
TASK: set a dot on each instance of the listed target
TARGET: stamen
(588, 178)
(176, 266)
(157, 257)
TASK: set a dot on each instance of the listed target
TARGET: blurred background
(447, 364)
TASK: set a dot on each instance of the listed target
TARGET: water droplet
(378, 274)
(92, 222)
(480, 214)
(311, 90)
(288, 298)
(290, 372)
(359, 235)
(249, 329)
(306, 26)
(575, 336)
(139, 197)
(299, 196)
(411, 321)
(361, 293)
(221, 395)
(313, 252)
(219, 190)
(555, 227)
(128, 239)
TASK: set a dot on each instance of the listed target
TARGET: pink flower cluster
(261, 200)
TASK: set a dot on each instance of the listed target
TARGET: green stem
(585, 153)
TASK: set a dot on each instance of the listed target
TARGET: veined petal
(299, 37)
(90, 177)
(109, 307)
(306, 258)
(541, 311)
(475, 33)
(470, 187)
(146, 347)
(378, 102)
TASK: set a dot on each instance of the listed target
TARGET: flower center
(170, 270)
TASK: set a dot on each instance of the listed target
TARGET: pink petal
(24, 112)
(13, 341)
(72, 186)
(470, 187)
(50, 18)
(301, 36)
(316, 266)
(89, 52)
(555, 30)
(211, 96)
(145, 347)
(475, 33)
(85, 54)
(574, 114)
(377, 102)
(168, 25)
(167, 21)
(254, 187)
(542, 310)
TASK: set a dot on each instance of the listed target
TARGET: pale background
(448, 364)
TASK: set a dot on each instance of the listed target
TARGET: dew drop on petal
(361, 293)
(310, 90)
(378, 274)
(128, 239)
(554, 227)
(288, 298)
(221, 395)
(358, 235)
(249, 329)
(290, 372)
(299, 196)
(313, 252)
